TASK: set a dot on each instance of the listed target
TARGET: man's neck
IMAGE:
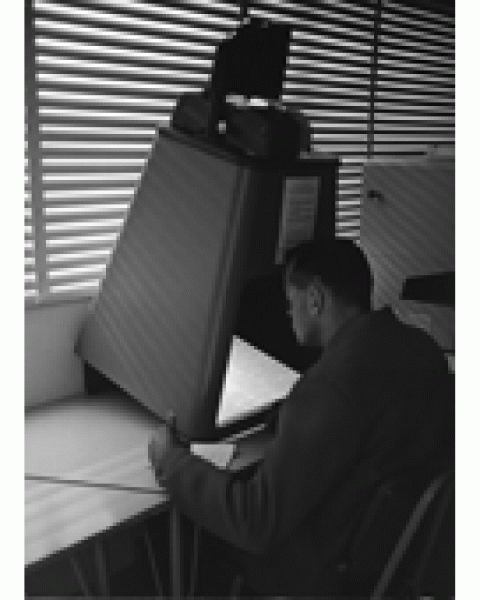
(339, 320)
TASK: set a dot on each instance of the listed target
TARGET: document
(300, 203)
(219, 453)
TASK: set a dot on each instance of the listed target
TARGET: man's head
(326, 283)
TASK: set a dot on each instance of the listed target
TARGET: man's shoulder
(377, 348)
(381, 334)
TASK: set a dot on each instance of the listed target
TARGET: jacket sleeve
(316, 439)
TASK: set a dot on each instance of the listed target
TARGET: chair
(431, 573)
(400, 551)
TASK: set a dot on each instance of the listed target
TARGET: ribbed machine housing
(203, 217)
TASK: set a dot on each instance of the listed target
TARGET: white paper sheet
(218, 453)
(253, 380)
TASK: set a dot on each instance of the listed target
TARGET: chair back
(405, 542)
(422, 563)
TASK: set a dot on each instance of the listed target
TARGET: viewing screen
(253, 380)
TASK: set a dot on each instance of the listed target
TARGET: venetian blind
(374, 78)
(107, 74)
(415, 89)
(30, 277)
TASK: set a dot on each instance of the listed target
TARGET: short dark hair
(340, 265)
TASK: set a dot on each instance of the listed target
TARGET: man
(376, 403)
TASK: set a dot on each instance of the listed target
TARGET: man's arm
(316, 440)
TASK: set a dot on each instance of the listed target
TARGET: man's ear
(315, 299)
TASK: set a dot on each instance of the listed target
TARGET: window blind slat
(84, 269)
(335, 118)
(103, 101)
(51, 64)
(76, 274)
(388, 75)
(74, 290)
(330, 78)
(30, 285)
(82, 228)
(59, 164)
(135, 138)
(72, 181)
(81, 194)
(327, 93)
(302, 50)
(61, 115)
(334, 72)
(94, 256)
(417, 100)
(95, 80)
(29, 263)
(79, 242)
(57, 216)
(304, 100)
(406, 110)
(59, 149)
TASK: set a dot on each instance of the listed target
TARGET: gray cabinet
(407, 228)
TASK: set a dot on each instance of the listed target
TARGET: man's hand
(163, 440)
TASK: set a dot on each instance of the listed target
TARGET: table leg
(101, 568)
(175, 553)
(194, 560)
(153, 562)
(82, 582)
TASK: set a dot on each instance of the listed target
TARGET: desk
(99, 439)
(105, 439)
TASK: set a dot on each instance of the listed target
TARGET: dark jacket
(376, 403)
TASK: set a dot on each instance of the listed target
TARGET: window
(374, 77)
(103, 76)
(415, 88)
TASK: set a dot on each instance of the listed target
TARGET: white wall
(409, 230)
(52, 370)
